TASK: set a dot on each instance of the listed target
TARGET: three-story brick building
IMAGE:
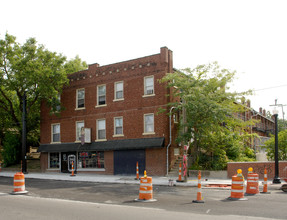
(116, 106)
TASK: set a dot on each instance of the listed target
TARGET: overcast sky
(247, 36)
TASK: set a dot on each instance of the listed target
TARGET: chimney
(93, 67)
(260, 110)
(264, 112)
(164, 55)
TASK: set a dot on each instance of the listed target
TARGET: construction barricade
(252, 187)
(146, 189)
(199, 198)
(237, 187)
(19, 184)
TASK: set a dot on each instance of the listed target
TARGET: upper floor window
(80, 98)
(101, 129)
(149, 85)
(101, 95)
(79, 126)
(119, 90)
(55, 133)
(148, 123)
(118, 125)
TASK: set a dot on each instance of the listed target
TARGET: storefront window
(54, 161)
(91, 159)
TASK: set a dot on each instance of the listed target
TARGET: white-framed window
(79, 126)
(54, 160)
(56, 138)
(80, 99)
(149, 85)
(101, 129)
(101, 95)
(118, 126)
(119, 90)
(149, 124)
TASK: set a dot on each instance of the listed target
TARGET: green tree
(282, 146)
(209, 114)
(32, 69)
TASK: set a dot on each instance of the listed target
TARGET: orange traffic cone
(199, 196)
(73, 174)
(179, 174)
(137, 167)
(265, 182)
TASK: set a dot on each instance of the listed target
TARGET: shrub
(11, 146)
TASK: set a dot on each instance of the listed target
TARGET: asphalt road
(173, 199)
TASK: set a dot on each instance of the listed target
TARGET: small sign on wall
(88, 135)
(176, 151)
(85, 135)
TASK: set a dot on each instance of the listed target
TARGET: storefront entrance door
(64, 161)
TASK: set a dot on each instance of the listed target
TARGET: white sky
(249, 36)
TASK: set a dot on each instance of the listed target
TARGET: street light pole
(24, 135)
(276, 179)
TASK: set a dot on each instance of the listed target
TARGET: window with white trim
(101, 95)
(54, 160)
(80, 98)
(149, 85)
(79, 126)
(55, 133)
(119, 90)
(101, 129)
(91, 159)
(149, 123)
(118, 125)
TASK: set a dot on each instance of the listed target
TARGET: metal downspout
(170, 139)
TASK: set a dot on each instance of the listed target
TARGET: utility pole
(24, 136)
(276, 179)
(282, 107)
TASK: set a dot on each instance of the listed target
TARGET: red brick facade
(132, 108)
(258, 167)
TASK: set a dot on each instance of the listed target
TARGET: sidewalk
(156, 180)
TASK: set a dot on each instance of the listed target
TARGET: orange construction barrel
(19, 184)
(237, 187)
(146, 190)
(252, 187)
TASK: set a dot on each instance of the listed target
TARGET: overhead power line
(273, 87)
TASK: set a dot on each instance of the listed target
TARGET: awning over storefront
(127, 144)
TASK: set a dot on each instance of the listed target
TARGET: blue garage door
(125, 162)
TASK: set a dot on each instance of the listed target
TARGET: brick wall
(258, 167)
(156, 162)
(132, 108)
